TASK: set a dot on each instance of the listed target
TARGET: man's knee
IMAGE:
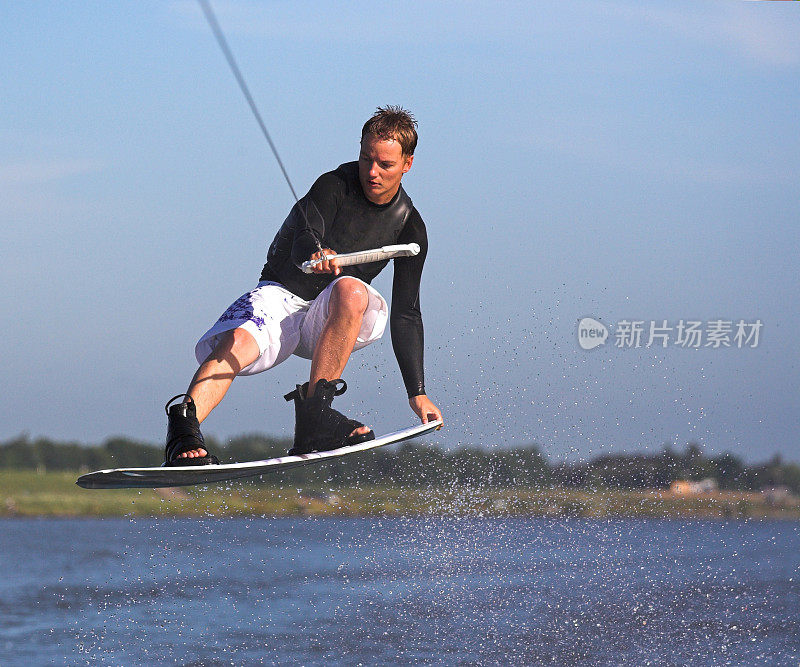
(238, 347)
(349, 295)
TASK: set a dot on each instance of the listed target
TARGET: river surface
(398, 591)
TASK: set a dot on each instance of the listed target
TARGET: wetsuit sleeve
(320, 206)
(406, 316)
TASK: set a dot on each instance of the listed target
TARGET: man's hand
(424, 408)
(328, 266)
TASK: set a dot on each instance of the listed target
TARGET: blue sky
(603, 159)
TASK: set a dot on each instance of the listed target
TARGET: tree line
(421, 465)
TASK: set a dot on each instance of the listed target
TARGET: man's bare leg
(348, 303)
(236, 350)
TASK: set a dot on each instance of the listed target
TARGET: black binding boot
(318, 427)
(183, 434)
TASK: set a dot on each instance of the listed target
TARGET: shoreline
(29, 494)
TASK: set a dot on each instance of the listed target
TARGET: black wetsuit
(341, 218)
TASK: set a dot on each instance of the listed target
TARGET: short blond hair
(393, 122)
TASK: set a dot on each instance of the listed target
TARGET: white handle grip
(365, 256)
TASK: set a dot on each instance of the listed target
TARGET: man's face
(381, 165)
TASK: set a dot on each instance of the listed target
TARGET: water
(399, 591)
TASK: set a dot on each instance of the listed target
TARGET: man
(325, 315)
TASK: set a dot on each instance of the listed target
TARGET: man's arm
(408, 340)
(319, 207)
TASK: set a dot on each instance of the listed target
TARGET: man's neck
(385, 199)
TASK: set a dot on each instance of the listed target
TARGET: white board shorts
(284, 324)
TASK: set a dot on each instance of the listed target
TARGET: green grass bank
(54, 494)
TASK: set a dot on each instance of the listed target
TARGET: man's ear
(409, 162)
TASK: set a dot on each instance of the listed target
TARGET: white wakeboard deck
(165, 476)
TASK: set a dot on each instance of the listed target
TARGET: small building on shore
(685, 487)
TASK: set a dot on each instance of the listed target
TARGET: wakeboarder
(327, 314)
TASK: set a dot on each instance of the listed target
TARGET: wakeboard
(166, 476)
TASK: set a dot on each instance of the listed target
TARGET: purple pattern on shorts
(242, 309)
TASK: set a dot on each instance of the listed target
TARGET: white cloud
(761, 32)
(765, 37)
(391, 25)
(28, 190)
(611, 152)
(34, 172)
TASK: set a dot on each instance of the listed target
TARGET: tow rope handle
(365, 256)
